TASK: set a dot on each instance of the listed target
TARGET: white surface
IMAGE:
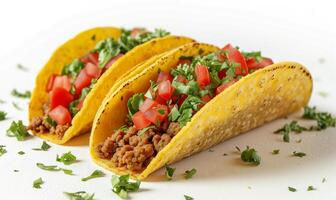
(284, 30)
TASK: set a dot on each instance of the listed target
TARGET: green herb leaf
(186, 197)
(143, 131)
(81, 195)
(292, 189)
(169, 172)
(26, 94)
(44, 147)
(311, 188)
(2, 115)
(121, 185)
(190, 173)
(53, 168)
(50, 121)
(174, 114)
(324, 119)
(287, 128)
(276, 151)
(37, 183)
(16, 106)
(21, 152)
(299, 154)
(95, 174)
(21, 67)
(250, 156)
(18, 130)
(134, 102)
(2, 150)
(73, 68)
(253, 54)
(67, 158)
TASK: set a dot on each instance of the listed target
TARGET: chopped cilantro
(169, 172)
(121, 185)
(26, 94)
(287, 128)
(134, 102)
(174, 114)
(324, 119)
(21, 153)
(253, 54)
(190, 173)
(323, 94)
(2, 115)
(143, 131)
(81, 195)
(15, 170)
(18, 130)
(21, 67)
(250, 156)
(44, 147)
(50, 121)
(2, 150)
(324, 180)
(238, 149)
(299, 154)
(292, 189)
(186, 197)
(73, 68)
(67, 158)
(16, 106)
(311, 188)
(95, 174)
(37, 183)
(276, 151)
(53, 168)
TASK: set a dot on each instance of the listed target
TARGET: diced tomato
(50, 83)
(165, 90)
(59, 96)
(222, 87)
(83, 80)
(183, 61)
(234, 55)
(206, 98)
(222, 74)
(181, 79)
(252, 63)
(181, 99)
(80, 105)
(113, 60)
(62, 82)
(140, 121)
(160, 100)
(90, 58)
(93, 70)
(162, 111)
(152, 115)
(137, 31)
(202, 75)
(147, 104)
(61, 115)
(163, 76)
(221, 57)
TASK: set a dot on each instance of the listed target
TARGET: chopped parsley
(81, 195)
(73, 68)
(15, 170)
(169, 172)
(276, 151)
(238, 149)
(134, 102)
(292, 189)
(190, 173)
(95, 174)
(18, 130)
(250, 156)
(21, 153)
(323, 94)
(16, 106)
(25, 95)
(2, 115)
(2, 150)
(298, 154)
(44, 147)
(53, 168)
(21, 67)
(37, 183)
(287, 128)
(143, 131)
(311, 188)
(67, 158)
(50, 121)
(121, 185)
(186, 197)
(253, 54)
(324, 119)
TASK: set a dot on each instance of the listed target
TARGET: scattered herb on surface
(53, 168)
(311, 188)
(25, 95)
(324, 119)
(121, 185)
(2, 115)
(18, 130)
(324, 180)
(95, 174)
(186, 197)
(21, 152)
(323, 94)
(190, 173)
(250, 156)
(169, 172)
(81, 195)
(21, 67)
(238, 149)
(276, 151)
(37, 183)
(292, 189)
(2, 150)
(67, 158)
(299, 154)
(44, 147)
(287, 128)
(16, 106)
(15, 170)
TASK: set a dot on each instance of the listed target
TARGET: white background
(302, 31)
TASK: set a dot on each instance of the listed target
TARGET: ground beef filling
(39, 125)
(128, 149)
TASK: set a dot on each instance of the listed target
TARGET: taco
(71, 86)
(191, 99)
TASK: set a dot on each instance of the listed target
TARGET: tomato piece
(222, 87)
(202, 75)
(162, 112)
(140, 121)
(91, 58)
(252, 63)
(83, 80)
(206, 98)
(62, 82)
(93, 70)
(147, 104)
(59, 96)
(165, 90)
(181, 79)
(160, 100)
(136, 32)
(152, 115)
(113, 60)
(50, 83)
(61, 115)
(181, 99)
(234, 55)
(163, 76)
(80, 105)
(221, 57)
(222, 74)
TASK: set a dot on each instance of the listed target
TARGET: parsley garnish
(169, 172)
(53, 168)
(16, 106)
(253, 54)
(2, 150)
(44, 147)
(67, 158)
(50, 121)
(324, 119)
(143, 131)
(73, 68)
(26, 94)
(21, 67)
(190, 173)
(37, 183)
(311, 188)
(250, 156)
(81, 195)
(121, 185)
(186, 197)
(18, 130)
(287, 128)
(323, 94)
(275, 151)
(2, 115)
(299, 154)
(134, 102)
(95, 174)
(324, 180)
(21, 153)
(292, 189)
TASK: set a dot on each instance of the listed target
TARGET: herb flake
(250, 156)
(121, 185)
(95, 174)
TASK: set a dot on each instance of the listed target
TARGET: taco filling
(67, 91)
(156, 116)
